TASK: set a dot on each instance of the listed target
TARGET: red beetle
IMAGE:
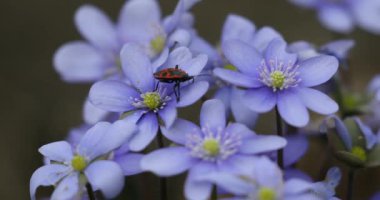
(173, 75)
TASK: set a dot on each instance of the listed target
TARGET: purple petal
(198, 45)
(260, 100)
(224, 94)
(291, 173)
(242, 56)
(367, 15)
(238, 27)
(338, 48)
(137, 67)
(92, 139)
(47, 175)
(196, 190)
(237, 78)
(317, 70)
(179, 130)
(93, 114)
(168, 161)
(194, 66)
(88, 67)
(57, 151)
(240, 111)
(148, 127)
(161, 59)
(240, 129)
(336, 18)
(106, 176)
(341, 130)
(370, 137)
(231, 183)
(297, 186)
(96, 27)
(168, 114)
(263, 37)
(238, 164)
(130, 163)
(174, 19)
(292, 109)
(267, 173)
(276, 51)
(213, 115)
(317, 101)
(112, 96)
(295, 149)
(181, 37)
(68, 188)
(178, 56)
(192, 93)
(137, 18)
(262, 144)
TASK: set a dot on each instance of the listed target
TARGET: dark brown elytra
(173, 75)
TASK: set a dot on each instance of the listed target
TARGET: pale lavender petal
(93, 114)
(260, 100)
(224, 94)
(96, 27)
(168, 161)
(194, 66)
(57, 151)
(370, 137)
(213, 115)
(267, 173)
(168, 114)
(179, 130)
(93, 137)
(106, 176)
(263, 37)
(261, 144)
(338, 48)
(240, 129)
(291, 173)
(47, 175)
(317, 101)
(240, 111)
(367, 15)
(317, 70)
(192, 93)
(198, 45)
(137, 67)
(246, 58)
(238, 27)
(237, 78)
(147, 131)
(161, 59)
(197, 190)
(297, 186)
(276, 52)
(178, 56)
(230, 182)
(130, 163)
(173, 21)
(180, 37)
(114, 96)
(67, 189)
(292, 109)
(336, 18)
(138, 20)
(88, 67)
(341, 130)
(295, 149)
(303, 49)
(333, 177)
(238, 164)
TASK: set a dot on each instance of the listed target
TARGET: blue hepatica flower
(278, 78)
(139, 22)
(213, 147)
(265, 182)
(342, 15)
(141, 101)
(68, 167)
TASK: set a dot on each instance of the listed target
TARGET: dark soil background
(36, 107)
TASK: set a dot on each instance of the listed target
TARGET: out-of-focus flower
(265, 182)
(343, 15)
(141, 102)
(354, 142)
(71, 169)
(140, 22)
(277, 78)
(376, 196)
(213, 147)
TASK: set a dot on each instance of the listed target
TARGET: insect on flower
(173, 75)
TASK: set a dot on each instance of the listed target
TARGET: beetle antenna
(173, 46)
(176, 66)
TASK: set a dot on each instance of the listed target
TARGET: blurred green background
(36, 107)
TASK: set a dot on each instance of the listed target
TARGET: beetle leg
(176, 91)
(158, 82)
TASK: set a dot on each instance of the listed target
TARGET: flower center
(266, 194)
(230, 67)
(78, 163)
(152, 100)
(359, 152)
(211, 146)
(278, 75)
(158, 43)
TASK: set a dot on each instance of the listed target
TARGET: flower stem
(280, 153)
(214, 195)
(350, 191)
(163, 184)
(90, 192)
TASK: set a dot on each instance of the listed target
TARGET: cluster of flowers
(141, 68)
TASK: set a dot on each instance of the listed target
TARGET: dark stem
(163, 184)
(280, 153)
(214, 195)
(350, 185)
(90, 192)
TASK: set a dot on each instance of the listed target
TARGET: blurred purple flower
(213, 147)
(277, 78)
(88, 159)
(376, 196)
(140, 22)
(140, 102)
(342, 15)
